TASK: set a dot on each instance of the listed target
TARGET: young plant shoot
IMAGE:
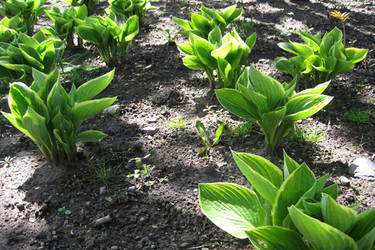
(319, 59)
(289, 209)
(51, 117)
(275, 106)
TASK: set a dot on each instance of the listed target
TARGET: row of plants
(284, 209)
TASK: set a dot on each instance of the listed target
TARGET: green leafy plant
(207, 140)
(111, 38)
(51, 117)
(177, 123)
(314, 136)
(27, 10)
(101, 173)
(10, 27)
(38, 51)
(128, 8)
(361, 116)
(224, 55)
(64, 210)
(289, 209)
(242, 130)
(319, 59)
(206, 20)
(275, 106)
(90, 4)
(65, 22)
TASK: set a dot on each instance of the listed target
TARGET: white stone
(363, 168)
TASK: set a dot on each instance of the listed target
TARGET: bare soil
(58, 207)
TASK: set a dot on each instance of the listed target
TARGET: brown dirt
(160, 210)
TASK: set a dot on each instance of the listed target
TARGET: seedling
(171, 37)
(64, 210)
(356, 115)
(207, 140)
(314, 136)
(242, 130)
(101, 173)
(177, 123)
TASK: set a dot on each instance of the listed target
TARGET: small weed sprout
(356, 115)
(314, 136)
(177, 123)
(100, 173)
(64, 210)
(208, 140)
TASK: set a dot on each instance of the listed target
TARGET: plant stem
(344, 33)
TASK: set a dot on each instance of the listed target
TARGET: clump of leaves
(18, 58)
(361, 116)
(274, 106)
(111, 38)
(51, 117)
(208, 140)
(319, 59)
(177, 123)
(128, 8)
(65, 22)
(289, 209)
(10, 27)
(224, 55)
(27, 10)
(206, 20)
(90, 4)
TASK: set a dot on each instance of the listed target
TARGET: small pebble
(344, 181)
(101, 221)
(101, 190)
(114, 247)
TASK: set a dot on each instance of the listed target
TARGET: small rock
(142, 219)
(363, 168)
(185, 244)
(101, 190)
(131, 188)
(102, 221)
(205, 248)
(87, 203)
(114, 247)
(344, 181)
(112, 110)
(153, 119)
(150, 130)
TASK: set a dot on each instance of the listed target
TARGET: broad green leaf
(17, 125)
(186, 48)
(193, 62)
(36, 125)
(215, 35)
(329, 41)
(84, 110)
(267, 86)
(355, 55)
(301, 107)
(201, 22)
(289, 165)
(336, 215)
(234, 16)
(236, 103)
(288, 47)
(331, 190)
(284, 65)
(302, 49)
(298, 182)
(314, 209)
(57, 99)
(320, 235)
(93, 87)
(88, 33)
(264, 176)
(182, 23)
(90, 136)
(364, 225)
(222, 51)
(317, 63)
(22, 97)
(203, 49)
(342, 66)
(318, 89)
(275, 237)
(250, 41)
(258, 99)
(32, 56)
(218, 133)
(205, 136)
(233, 208)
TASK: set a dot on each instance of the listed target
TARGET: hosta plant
(111, 38)
(289, 209)
(39, 52)
(10, 27)
(64, 23)
(51, 117)
(275, 106)
(319, 59)
(27, 10)
(127, 8)
(223, 56)
(90, 4)
(206, 20)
